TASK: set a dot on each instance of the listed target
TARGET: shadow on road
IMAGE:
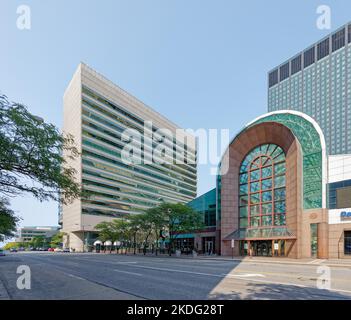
(265, 291)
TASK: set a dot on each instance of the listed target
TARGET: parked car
(13, 250)
(2, 252)
(66, 250)
(58, 250)
(51, 249)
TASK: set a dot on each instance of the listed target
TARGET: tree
(11, 245)
(135, 224)
(32, 161)
(57, 240)
(122, 231)
(8, 220)
(106, 231)
(146, 224)
(38, 242)
(31, 156)
(156, 222)
(178, 218)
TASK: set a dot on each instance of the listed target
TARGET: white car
(58, 250)
(2, 252)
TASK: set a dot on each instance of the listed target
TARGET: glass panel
(266, 196)
(243, 189)
(243, 211)
(267, 220)
(243, 178)
(279, 194)
(254, 198)
(243, 223)
(279, 181)
(276, 153)
(255, 210)
(266, 184)
(279, 168)
(280, 158)
(255, 222)
(266, 172)
(243, 167)
(243, 200)
(254, 186)
(271, 149)
(279, 207)
(266, 161)
(279, 220)
(255, 175)
(266, 208)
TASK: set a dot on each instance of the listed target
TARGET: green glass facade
(317, 82)
(310, 142)
(311, 145)
(117, 188)
(206, 205)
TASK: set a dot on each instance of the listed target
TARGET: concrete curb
(253, 260)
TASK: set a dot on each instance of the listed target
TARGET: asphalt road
(99, 276)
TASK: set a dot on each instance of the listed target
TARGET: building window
(262, 188)
(339, 194)
(308, 57)
(338, 40)
(343, 197)
(314, 239)
(323, 49)
(273, 78)
(296, 65)
(284, 71)
(349, 33)
(347, 242)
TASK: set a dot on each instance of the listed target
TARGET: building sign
(345, 215)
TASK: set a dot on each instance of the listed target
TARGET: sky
(202, 64)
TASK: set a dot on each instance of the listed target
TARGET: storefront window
(262, 187)
(347, 242)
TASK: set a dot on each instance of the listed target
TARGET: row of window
(322, 49)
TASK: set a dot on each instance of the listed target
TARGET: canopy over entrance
(261, 234)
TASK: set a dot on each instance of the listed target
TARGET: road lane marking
(317, 261)
(133, 273)
(247, 275)
(74, 276)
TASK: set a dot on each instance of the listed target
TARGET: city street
(102, 276)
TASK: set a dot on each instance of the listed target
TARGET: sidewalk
(306, 261)
(345, 263)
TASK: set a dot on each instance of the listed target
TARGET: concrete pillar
(322, 232)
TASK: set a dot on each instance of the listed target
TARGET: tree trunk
(134, 243)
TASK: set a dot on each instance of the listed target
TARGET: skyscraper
(98, 113)
(317, 81)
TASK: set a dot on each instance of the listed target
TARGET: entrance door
(208, 247)
(262, 248)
